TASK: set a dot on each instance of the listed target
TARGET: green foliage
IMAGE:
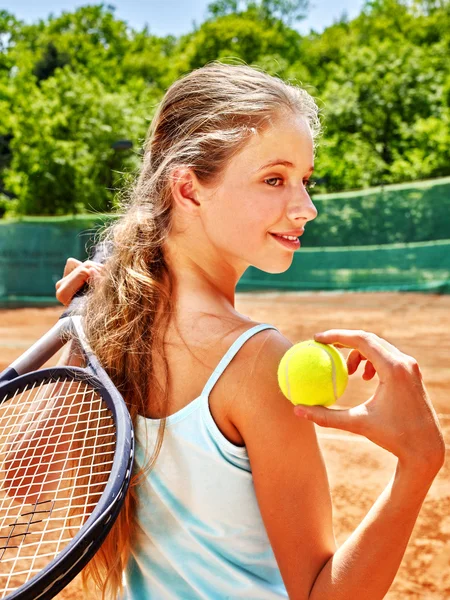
(51, 60)
(241, 37)
(267, 10)
(382, 92)
(62, 144)
(4, 205)
(72, 85)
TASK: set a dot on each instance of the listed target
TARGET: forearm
(367, 563)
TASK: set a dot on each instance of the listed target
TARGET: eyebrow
(280, 161)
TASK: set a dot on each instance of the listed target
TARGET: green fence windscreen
(32, 259)
(419, 267)
(348, 247)
(401, 213)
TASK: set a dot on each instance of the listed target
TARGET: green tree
(71, 85)
(283, 10)
(245, 36)
(91, 40)
(8, 27)
(51, 60)
(383, 93)
(63, 160)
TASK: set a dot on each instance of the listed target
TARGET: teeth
(288, 237)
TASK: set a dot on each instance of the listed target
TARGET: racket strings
(57, 446)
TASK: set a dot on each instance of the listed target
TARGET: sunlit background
(177, 17)
(78, 87)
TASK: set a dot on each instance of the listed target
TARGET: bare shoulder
(289, 474)
(256, 366)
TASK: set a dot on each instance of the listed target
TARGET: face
(263, 191)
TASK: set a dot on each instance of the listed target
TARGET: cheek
(242, 217)
(249, 219)
(257, 205)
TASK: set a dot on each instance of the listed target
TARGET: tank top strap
(231, 353)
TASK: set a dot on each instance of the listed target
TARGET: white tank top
(200, 531)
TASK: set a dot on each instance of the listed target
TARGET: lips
(290, 244)
(294, 232)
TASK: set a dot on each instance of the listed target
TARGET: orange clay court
(419, 324)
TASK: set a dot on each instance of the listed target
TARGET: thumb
(347, 420)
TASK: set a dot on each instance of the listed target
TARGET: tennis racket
(66, 457)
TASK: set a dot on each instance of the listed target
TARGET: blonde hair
(204, 119)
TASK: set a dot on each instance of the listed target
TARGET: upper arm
(289, 473)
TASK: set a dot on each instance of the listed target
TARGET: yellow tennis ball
(312, 373)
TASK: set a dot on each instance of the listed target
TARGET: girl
(233, 501)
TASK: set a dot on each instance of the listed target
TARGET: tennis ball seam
(288, 383)
(333, 369)
(333, 373)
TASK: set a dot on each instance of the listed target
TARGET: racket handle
(39, 353)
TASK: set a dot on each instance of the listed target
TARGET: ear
(184, 188)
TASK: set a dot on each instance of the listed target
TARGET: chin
(274, 266)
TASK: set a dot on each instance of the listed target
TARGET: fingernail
(299, 412)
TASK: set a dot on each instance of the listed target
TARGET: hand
(399, 416)
(76, 274)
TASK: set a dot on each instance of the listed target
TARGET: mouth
(290, 244)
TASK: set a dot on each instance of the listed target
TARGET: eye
(271, 180)
(309, 183)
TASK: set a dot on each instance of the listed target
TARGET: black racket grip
(101, 253)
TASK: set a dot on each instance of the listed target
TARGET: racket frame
(70, 561)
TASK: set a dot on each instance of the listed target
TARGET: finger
(353, 360)
(74, 263)
(348, 420)
(94, 268)
(68, 286)
(95, 264)
(94, 274)
(390, 347)
(369, 371)
(91, 264)
(71, 264)
(367, 344)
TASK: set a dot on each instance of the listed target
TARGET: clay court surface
(358, 470)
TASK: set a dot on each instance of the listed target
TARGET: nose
(302, 207)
